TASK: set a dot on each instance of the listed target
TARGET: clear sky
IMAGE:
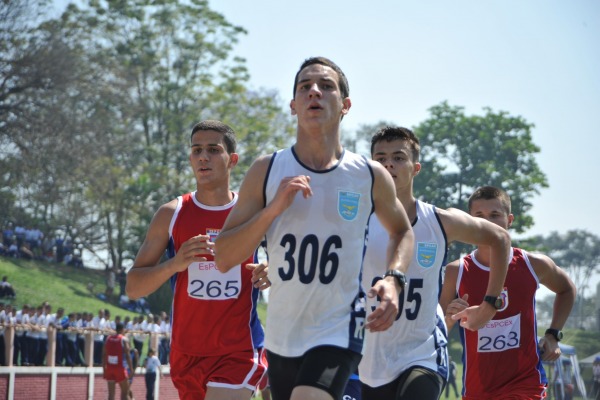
(537, 59)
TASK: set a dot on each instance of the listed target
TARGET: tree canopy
(460, 153)
(471, 151)
(578, 252)
(96, 109)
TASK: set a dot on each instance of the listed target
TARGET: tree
(50, 115)
(494, 149)
(460, 153)
(177, 59)
(109, 91)
(578, 252)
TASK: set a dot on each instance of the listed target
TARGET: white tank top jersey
(315, 250)
(419, 336)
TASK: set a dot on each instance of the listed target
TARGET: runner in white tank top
(419, 336)
(312, 204)
(325, 236)
(409, 361)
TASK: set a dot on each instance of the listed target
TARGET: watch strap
(494, 301)
(399, 276)
(557, 333)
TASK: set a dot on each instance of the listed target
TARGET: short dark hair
(119, 327)
(490, 193)
(342, 80)
(390, 133)
(217, 126)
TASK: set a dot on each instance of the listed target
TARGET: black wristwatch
(400, 277)
(557, 333)
(496, 302)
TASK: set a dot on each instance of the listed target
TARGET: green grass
(59, 284)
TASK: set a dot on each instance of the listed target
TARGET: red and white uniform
(213, 313)
(116, 363)
(501, 360)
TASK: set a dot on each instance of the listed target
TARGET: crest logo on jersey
(212, 233)
(348, 204)
(504, 297)
(426, 254)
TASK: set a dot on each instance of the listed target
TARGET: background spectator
(6, 289)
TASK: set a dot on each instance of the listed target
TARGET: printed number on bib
(206, 282)
(310, 257)
(413, 298)
(500, 335)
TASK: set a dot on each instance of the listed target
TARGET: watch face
(498, 303)
(558, 335)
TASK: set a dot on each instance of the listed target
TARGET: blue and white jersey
(419, 336)
(315, 250)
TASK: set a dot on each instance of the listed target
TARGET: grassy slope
(60, 285)
(63, 286)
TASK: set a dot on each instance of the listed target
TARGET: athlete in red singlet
(116, 361)
(217, 340)
(503, 360)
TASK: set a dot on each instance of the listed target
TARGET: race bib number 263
(206, 282)
(500, 335)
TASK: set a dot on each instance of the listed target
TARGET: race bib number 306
(500, 335)
(206, 282)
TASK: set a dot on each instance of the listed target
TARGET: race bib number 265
(206, 282)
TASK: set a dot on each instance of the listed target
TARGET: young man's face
(209, 158)
(396, 157)
(318, 98)
(493, 211)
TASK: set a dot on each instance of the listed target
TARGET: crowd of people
(30, 243)
(32, 325)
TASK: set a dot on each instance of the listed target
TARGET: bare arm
(104, 358)
(460, 226)
(393, 217)
(250, 219)
(448, 294)
(557, 280)
(147, 275)
(128, 355)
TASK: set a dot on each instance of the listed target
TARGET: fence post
(9, 348)
(51, 353)
(89, 349)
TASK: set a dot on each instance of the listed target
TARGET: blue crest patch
(426, 254)
(348, 204)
